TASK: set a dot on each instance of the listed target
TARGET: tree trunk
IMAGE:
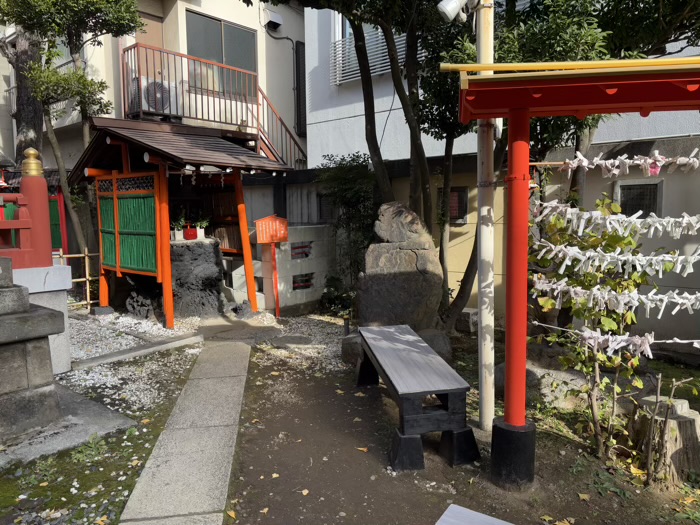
(465, 289)
(444, 221)
(385, 190)
(414, 196)
(578, 179)
(65, 189)
(29, 114)
(510, 12)
(78, 65)
(465, 286)
(411, 120)
(411, 65)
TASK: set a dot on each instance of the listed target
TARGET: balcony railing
(181, 87)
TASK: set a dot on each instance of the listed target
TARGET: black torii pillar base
(512, 455)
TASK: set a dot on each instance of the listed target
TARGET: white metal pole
(485, 197)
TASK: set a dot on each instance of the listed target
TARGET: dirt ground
(313, 449)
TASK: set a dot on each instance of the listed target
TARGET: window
(458, 204)
(634, 196)
(218, 41)
(301, 250)
(302, 281)
(343, 60)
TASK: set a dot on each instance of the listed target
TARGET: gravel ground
(321, 354)
(93, 336)
(92, 485)
(134, 385)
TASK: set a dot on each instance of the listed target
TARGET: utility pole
(485, 239)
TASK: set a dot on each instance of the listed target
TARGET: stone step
(5, 272)
(468, 321)
(14, 300)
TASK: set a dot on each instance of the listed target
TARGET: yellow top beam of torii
(572, 66)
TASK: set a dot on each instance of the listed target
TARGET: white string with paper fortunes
(613, 343)
(579, 221)
(617, 167)
(619, 260)
(603, 297)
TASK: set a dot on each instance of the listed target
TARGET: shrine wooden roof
(179, 145)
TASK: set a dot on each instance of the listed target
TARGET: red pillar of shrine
(513, 438)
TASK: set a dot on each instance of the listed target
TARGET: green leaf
(608, 324)
(547, 303)
(637, 382)
(615, 207)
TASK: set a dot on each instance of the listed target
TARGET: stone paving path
(185, 480)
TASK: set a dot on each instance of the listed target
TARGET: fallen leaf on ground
(584, 497)
(305, 492)
(363, 449)
(360, 394)
(262, 477)
(357, 420)
(265, 511)
(145, 421)
(255, 421)
(44, 484)
(232, 514)
(546, 518)
(274, 373)
(275, 475)
(298, 441)
(340, 392)
(135, 463)
(637, 472)
(688, 500)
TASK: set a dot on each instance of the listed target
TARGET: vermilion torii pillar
(513, 438)
(552, 89)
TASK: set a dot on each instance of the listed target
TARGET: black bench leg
(366, 373)
(459, 447)
(406, 452)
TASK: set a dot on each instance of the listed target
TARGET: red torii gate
(566, 89)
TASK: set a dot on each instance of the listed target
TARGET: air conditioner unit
(158, 97)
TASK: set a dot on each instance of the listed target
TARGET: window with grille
(302, 281)
(458, 204)
(301, 250)
(637, 196)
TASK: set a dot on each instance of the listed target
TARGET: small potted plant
(189, 232)
(176, 228)
(201, 224)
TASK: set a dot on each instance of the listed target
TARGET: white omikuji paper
(596, 222)
(650, 166)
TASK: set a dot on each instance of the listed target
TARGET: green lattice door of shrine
(128, 224)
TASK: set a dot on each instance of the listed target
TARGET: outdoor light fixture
(451, 9)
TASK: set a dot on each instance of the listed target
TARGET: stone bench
(412, 371)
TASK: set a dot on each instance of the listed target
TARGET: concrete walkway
(185, 480)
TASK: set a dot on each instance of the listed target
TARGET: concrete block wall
(319, 263)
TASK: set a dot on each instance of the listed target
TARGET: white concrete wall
(319, 262)
(335, 114)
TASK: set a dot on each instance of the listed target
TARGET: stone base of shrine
(48, 287)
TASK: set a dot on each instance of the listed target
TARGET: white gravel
(89, 339)
(322, 354)
(93, 336)
(134, 385)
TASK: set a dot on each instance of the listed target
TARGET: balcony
(182, 88)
